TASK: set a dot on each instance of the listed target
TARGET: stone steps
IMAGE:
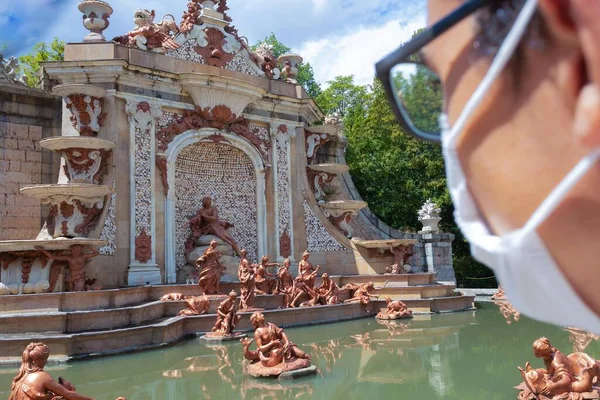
(153, 335)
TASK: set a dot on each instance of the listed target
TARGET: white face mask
(530, 277)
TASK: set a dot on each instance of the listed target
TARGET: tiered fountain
(77, 202)
(339, 212)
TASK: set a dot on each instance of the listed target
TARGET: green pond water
(468, 355)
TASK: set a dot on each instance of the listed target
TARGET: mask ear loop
(502, 58)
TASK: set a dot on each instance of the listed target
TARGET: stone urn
(95, 19)
(429, 215)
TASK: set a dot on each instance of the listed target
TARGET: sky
(337, 37)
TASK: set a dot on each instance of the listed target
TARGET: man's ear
(586, 17)
(577, 23)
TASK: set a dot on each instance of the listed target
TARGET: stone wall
(26, 117)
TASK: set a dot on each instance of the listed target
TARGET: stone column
(281, 135)
(143, 267)
(437, 253)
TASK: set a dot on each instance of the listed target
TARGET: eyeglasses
(414, 91)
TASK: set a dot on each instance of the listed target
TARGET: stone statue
(395, 310)
(360, 293)
(33, 383)
(499, 295)
(173, 297)
(429, 215)
(275, 353)
(75, 281)
(285, 284)
(265, 285)
(328, 291)
(246, 275)
(207, 222)
(227, 318)
(307, 271)
(211, 270)
(401, 255)
(302, 289)
(565, 377)
(197, 305)
(147, 35)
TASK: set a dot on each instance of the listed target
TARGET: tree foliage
(29, 64)
(306, 74)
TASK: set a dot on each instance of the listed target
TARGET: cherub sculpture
(147, 35)
(76, 260)
(565, 377)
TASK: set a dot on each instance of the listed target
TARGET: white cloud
(356, 52)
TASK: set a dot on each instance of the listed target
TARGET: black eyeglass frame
(384, 67)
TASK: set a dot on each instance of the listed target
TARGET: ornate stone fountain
(57, 257)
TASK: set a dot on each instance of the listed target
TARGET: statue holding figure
(285, 284)
(307, 271)
(207, 222)
(275, 353)
(76, 265)
(264, 282)
(394, 310)
(211, 270)
(328, 291)
(33, 383)
(564, 377)
(246, 275)
(227, 317)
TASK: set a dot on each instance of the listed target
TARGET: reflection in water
(438, 357)
(580, 339)
(507, 310)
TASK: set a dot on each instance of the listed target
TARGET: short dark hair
(495, 22)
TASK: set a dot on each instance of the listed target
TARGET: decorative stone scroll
(313, 142)
(161, 165)
(219, 117)
(317, 181)
(282, 135)
(341, 219)
(142, 117)
(86, 165)
(85, 104)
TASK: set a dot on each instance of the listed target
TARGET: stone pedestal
(143, 274)
(436, 256)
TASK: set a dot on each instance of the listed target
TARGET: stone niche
(227, 175)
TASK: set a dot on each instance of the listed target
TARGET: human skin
(531, 129)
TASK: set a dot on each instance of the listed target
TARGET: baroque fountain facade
(155, 122)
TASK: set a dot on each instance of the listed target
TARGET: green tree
(306, 74)
(344, 97)
(30, 63)
(395, 173)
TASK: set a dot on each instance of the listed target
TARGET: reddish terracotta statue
(246, 275)
(275, 353)
(227, 318)
(506, 309)
(285, 285)
(580, 338)
(76, 261)
(264, 283)
(565, 377)
(360, 293)
(197, 305)
(499, 294)
(207, 222)
(395, 310)
(302, 289)
(173, 297)
(401, 255)
(147, 35)
(33, 383)
(328, 291)
(211, 270)
(307, 271)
